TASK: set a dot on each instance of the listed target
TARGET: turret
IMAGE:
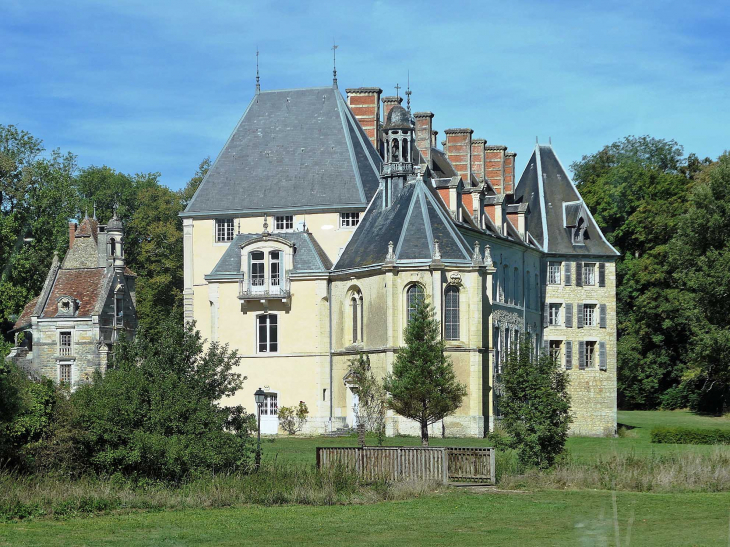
(115, 244)
(398, 165)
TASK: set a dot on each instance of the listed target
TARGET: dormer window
(67, 306)
(580, 232)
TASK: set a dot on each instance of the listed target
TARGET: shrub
(292, 419)
(688, 435)
(372, 398)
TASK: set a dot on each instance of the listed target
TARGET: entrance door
(270, 414)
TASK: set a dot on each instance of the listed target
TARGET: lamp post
(259, 397)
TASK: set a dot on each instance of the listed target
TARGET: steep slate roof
(85, 285)
(412, 223)
(546, 187)
(308, 255)
(293, 149)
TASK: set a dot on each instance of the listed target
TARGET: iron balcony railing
(259, 288)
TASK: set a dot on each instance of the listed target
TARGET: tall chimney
(388, 104)
(365, 104)
(434, 139)
(458, 150)
(494, 166)
(71, 233)
(477, 159)
(509, 172)
(424, 128)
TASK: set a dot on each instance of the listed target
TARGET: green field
(454, 516)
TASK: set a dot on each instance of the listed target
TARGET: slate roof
(415, 219)
(294, 149)
(85, 285)
(24, 318)
(442, 167)
(309, 256)
(546, 187)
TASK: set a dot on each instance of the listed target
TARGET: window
(353, 302)
(119, 310)
(414, 296)
(554, 314)
(285, 222)
(271, 405)
(451, 313)
(554, 273)
(268, 335)
(257, 269)
(64, 373)
(349, 220)
(589, 273)
(64, 343)
(275, 269)
(505, 280)
(112, 247)
(589, 315)
(590, 354)
(555, 349)
(223, 229)
(516, 288)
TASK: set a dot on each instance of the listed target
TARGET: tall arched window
(112, 247)
(404, 148)
(451, 313)
(355, 331)
(414, 296)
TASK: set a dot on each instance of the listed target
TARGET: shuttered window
(568, 268)
(601, 274)
(579, 318)
(581, 355)
(554, 318)
(568, 355)
(603, 319)
(578, 274)
(569, 316)
(602, 365)
(554, 273)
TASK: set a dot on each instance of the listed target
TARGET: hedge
(688, 435)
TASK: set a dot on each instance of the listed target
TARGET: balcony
(264, 289)
(397, 169)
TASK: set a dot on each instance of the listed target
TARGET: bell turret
(398, 164)
(115, 243)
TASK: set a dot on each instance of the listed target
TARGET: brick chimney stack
(477, 159)
(509, 172)
(424, 130)
(365, 104)
(388, 103)
(71, 233)
(458, 150)
(494, 166)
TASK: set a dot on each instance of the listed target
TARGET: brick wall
(365, 104)
(494, 166)
(458, 150)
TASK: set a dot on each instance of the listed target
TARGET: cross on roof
(397, 89)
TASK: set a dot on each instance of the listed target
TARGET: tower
(115, 244)
(398, 165)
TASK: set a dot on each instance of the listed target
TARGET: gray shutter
(579, 319)
(546, 345)
(578, 274)
(602, 316)
(568, 267)
(602, 355)
(282, 274)
(568, 355)
(601, 274)
(569, 315)
(546, 318)
(582, 355)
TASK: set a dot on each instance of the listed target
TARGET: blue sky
(157, 86)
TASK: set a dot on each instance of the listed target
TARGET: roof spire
(258, 80)
(408, 91)
(334, 62)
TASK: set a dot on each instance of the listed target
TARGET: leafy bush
(372, 398)
(292, 419)
(156, 411)
(688, 435)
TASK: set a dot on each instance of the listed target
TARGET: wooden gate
(410, 462)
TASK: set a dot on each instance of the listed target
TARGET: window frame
(63, 367)
(267, 326)
(286, 221)
(270, 406)
(555, 350)
(552, 264)
(415, 287)
(70, 347)
(590, 353)
(589, 268)
(222, 232)
(349, 220)
(452, 318)
(590, 310)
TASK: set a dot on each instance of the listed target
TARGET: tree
(187, 193)
(423, 385)
(535, 405)
(700, 262)
(372, 398)
(157, 412)
(637, 189)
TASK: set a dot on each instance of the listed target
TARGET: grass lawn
(454, 518)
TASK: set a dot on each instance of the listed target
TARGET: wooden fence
(410, 462)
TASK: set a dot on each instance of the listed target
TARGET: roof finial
(266, 224)
(390, 257)
(436, 250)
(258, 80)
(536, 141)
(334, 62)
(397, 89)
(476, 258)
(408, 91)
(550, 141)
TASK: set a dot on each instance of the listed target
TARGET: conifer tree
(423, 385)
